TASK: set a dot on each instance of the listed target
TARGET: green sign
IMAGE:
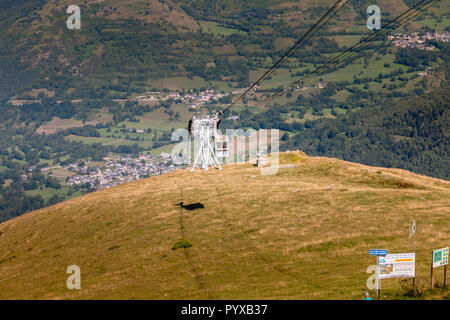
(440, 257)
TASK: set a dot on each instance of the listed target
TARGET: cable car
(221, 146)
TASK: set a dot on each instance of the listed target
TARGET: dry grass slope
(303, 233)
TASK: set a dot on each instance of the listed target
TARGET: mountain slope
(124, 45)
(412, 134)
(302, 233)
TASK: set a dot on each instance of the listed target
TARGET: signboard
(440, 257)
(402, 265)
(378, 252)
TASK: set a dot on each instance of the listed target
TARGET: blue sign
(378, 252)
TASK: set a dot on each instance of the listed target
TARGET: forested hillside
(413, 134)
(123, 47)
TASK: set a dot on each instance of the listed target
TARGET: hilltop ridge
(302, 233)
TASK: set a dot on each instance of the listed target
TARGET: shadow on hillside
(192, 206)
(189, 258)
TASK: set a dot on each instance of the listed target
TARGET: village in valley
(119, 170)
(418, 41)
(192, 97)
(124, 168)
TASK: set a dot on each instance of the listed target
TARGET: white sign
(402, 265)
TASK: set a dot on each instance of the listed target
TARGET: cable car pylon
(204, 129)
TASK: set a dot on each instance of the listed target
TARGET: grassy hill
(302, 233)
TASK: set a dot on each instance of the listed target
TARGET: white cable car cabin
(221, 146)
